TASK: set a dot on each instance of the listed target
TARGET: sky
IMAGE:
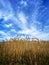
(24, 18)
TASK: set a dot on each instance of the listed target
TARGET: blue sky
(24, 17)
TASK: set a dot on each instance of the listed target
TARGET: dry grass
(23, 52)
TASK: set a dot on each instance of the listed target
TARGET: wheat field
(24, 52)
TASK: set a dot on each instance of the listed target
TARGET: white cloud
(43, 36)
(2, 33)
(19, 20)
(13, 30)
(6, 35)
(7, 38)
(8, 25)
(33, 32)
(23, 3)
(9, 16)
(24, 32)
(22, 19)
(6, 12)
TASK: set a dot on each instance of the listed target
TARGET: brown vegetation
(24, 52)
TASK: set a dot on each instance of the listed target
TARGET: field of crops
(24, 52)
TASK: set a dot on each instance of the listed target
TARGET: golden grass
(24, 52)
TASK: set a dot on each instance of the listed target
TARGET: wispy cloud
(8, 25)
(20, 19)
(13, 30)
(8, 17)
(23, 3)
(6, 35)
(6, 10)
(34, 33)
(2, 33)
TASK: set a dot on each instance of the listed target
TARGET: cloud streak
(20, 20)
